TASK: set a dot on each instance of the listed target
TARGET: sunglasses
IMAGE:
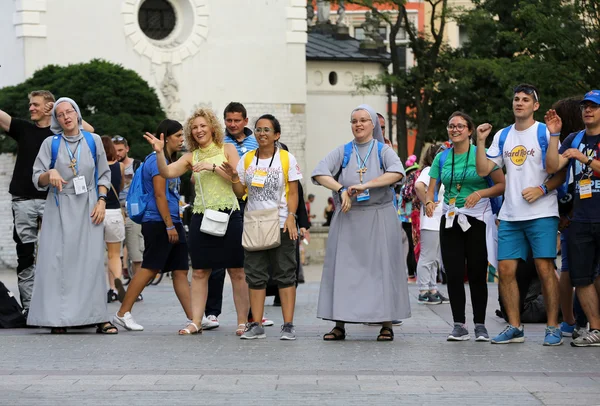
(118, 138)
(527, 90)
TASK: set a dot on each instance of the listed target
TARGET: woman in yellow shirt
(204, 138)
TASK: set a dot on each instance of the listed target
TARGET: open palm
(157, 144)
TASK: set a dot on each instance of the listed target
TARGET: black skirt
(211, 252)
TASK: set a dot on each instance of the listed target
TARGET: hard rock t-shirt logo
(518, 155)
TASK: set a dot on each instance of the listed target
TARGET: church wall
(11, 51)
(328, 111)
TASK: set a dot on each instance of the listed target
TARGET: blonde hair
(48, 97)
(213, 123)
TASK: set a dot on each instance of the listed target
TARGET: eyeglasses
(66, 113)
(459, 127)
(382, 128)
(265, 130)
(117, 138)
(362, 121)
(527, 90)
(591, 106)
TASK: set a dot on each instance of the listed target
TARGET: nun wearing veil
(70, 283)
(363, 279)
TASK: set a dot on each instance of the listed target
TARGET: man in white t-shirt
(529, 214)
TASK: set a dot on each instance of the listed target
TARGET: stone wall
(8, 255)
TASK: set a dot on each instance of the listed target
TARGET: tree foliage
(113, 99)
(548, 43)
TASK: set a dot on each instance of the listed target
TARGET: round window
(157, 19)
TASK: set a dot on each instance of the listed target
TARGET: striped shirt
(248, 144)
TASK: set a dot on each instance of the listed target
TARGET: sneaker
(266, 322)
(210, 322)
(589, 339)
(443, 298)
(553, 336)
(481, 333)
(579, 332)
(127, 322)
(288, 332)
(253, 331)
(510, 335)
(429, 299)
(567, 329)
(459, 333)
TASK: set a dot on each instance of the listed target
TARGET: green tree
(542, 42)
(113, 99)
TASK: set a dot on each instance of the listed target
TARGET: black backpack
(11, 313)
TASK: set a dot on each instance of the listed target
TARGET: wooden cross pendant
(360, 172)
(72, 166)
(458, 186)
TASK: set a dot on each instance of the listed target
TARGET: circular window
(157, 19)
(333, 78)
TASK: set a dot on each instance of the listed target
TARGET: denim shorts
(517, 238)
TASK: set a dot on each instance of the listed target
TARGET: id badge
(585, 188)
(79, 185)
(259, 178)
(451, 213)
(364, 196)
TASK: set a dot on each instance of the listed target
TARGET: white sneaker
(267, 322)
(210, 322)
(127, 322)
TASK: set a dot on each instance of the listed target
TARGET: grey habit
(364, 279)
(70, 283)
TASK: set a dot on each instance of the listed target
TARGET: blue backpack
(89, 139)
(563, 191)
(137, 197)
(496, 202)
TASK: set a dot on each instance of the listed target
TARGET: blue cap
(593, 96)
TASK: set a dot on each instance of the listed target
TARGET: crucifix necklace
(73, 162)
(362, 163)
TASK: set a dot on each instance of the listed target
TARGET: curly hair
(216, 128)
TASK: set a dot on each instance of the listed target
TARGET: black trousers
(411, 261)
(465, 250)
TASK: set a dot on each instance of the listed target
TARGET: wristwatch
(102, 197)
(341, 190)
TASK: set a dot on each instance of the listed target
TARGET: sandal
(333, 336)
(107, 328)
(240, 330)
(187, 331)
(385, 337)
(58, 330)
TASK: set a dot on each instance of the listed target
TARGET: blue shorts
(517, 238)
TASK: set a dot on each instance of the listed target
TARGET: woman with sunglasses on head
(270, 176)
(363, 279)
(214, 193)
(467, 213)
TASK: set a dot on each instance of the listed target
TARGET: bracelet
(544, 188)
(429, 201)
(214, 167)
(102, 197)
(171, 228)
(341, 190)
(477, 193)
(293, 214)
(238, 181)
(555, 134)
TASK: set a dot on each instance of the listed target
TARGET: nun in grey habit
(70, 282)
(364, 279)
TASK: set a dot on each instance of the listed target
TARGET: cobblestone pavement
(419, 367)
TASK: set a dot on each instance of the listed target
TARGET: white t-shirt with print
(433, 222)
(522, 157)
(273, 193)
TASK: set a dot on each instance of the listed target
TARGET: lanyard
(270, 163)
(464, 174)
(363, 164)
(78, 152)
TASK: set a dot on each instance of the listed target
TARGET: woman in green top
(467, 213)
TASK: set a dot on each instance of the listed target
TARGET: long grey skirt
(364, 279)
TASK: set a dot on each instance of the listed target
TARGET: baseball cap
(593, 96)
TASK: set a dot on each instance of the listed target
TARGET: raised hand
(48, 108)
(553, 121)
(229, 170)
(483, 130)
(157, 144)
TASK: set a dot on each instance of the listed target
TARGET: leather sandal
(187, 331)
(385, 337)
(240, 330)
(333, 336)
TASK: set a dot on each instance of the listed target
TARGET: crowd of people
(464, 209)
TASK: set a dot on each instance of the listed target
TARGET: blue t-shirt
(150, 170)
(585, 210)
(248, 144)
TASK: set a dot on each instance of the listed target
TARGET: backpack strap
(345, 160)
(543, 141)
(89, 138)
(501, 141)
(575, 144)
(284, 156)
(53, 154)
(380, 146)
(438, 183)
